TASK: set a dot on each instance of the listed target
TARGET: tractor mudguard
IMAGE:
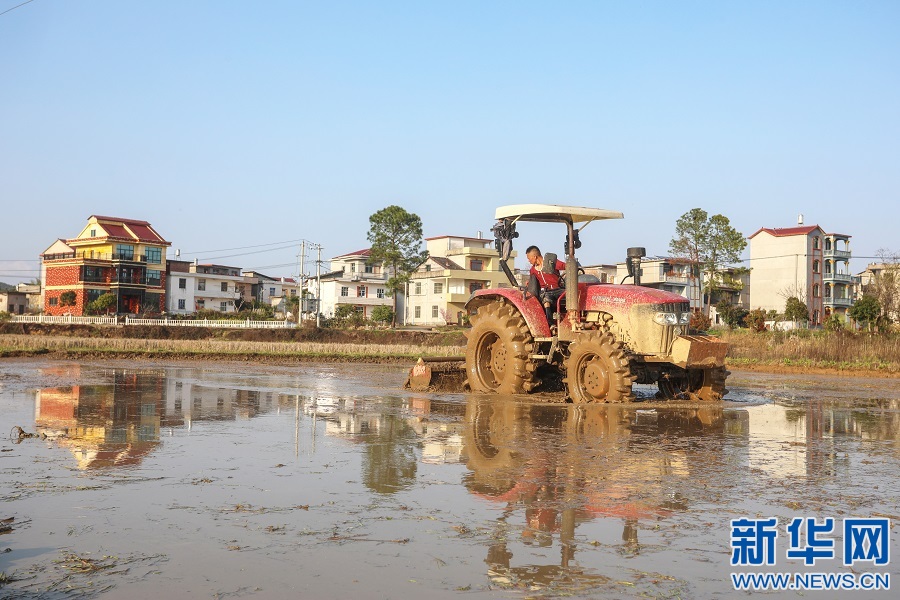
(529, 307)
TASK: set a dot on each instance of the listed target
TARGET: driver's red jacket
(549, 281)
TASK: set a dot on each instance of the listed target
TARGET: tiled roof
(364, 252)
(459, 237)
(446, 263)
(786, 231)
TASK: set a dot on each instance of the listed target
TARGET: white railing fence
(224, 323)
(68, 320)
(232, 323)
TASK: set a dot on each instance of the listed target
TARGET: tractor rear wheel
(597, 370)
(497, 353)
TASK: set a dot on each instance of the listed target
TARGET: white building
(676, 275)
(456, 267)
(191, 287)
(352, 281)
(804, 262)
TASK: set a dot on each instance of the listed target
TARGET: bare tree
(884, 285)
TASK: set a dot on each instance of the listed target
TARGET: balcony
(430, 274)
(840, 302)
(368, 277)
(838, 277)
(468, 250)
(832, 253)
(367, 301)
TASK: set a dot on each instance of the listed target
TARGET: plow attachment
(438, 373)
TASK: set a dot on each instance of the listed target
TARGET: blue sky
(236, 124)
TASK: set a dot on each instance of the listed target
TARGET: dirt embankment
(300, 334)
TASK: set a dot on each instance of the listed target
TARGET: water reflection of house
(105, 425)
(188, 401)
(802, 437)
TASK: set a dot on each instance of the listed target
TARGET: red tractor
(601, 338)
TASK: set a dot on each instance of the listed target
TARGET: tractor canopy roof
(555, 212)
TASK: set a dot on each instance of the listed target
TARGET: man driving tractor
(546, 275)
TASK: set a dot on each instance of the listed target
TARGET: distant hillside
(5, 287)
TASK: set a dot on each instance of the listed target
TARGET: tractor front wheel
(497, 353)
(597, 370)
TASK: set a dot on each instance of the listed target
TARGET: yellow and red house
(124, 257)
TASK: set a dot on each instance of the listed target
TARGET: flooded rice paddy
(328, 481)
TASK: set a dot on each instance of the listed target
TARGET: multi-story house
(124, 257)
(192, 287)
(804, 262)
(271, 290)
(881, 280)
(456, 267)
(677, 275)
(353, 281)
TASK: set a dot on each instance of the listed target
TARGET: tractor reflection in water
(564, 466)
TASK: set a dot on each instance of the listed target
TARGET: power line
(192, 253)
(16, 6)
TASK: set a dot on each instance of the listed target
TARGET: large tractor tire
(597, 370)
(497, 351)
(707, 385)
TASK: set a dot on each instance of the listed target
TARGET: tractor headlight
(685, 318)
(666, 318)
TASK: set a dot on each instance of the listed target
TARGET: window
(223, 306)
(827, 266)
(54, 301)
(271, 291)
(418, 312)
(418, 287)
(124, 252)
(816, 291)
(360, 291)
(93, 295)
(224, 286)
(182, 283)
(476, 264)
(438, 288)
(93, 233)
(201, 285)
(181, 304)
(293, 292)
(816, 243)
(474, 287)
(434, 312)
(345, 291)
(353, 267)
(815, 266)
(201, 304)
(153, 277)
(379, 293)
(369, 269)
(154, 255)
(427, 268)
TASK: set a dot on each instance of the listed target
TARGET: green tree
(67, 299)
(865, 311)
(102, 304)
(731, 315)
(795, 310)
(396, 238)
(710, 242)
(756, 320)
(382, 314)
(834, 323)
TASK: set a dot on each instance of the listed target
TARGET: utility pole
(318, 283)
(302, 277)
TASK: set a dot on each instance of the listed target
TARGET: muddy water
(325, 481)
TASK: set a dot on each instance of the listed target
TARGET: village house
(456, 267)
(191, 287)
(123, 257)
(804, 262)
(351, 280)
(676, 275)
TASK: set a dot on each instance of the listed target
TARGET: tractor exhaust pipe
(633, 262)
